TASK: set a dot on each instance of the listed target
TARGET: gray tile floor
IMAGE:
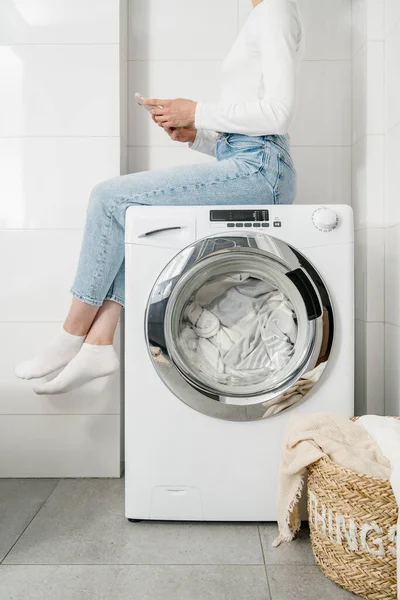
(69, 540)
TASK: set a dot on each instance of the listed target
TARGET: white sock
(54, 356)
(90, 363)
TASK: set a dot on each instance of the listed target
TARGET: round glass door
(239, 326)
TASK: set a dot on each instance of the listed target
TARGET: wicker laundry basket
(353, 521)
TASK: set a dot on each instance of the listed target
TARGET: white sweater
(259, 78)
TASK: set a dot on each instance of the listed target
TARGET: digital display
(239, 215)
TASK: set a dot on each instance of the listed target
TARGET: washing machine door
(239, 326)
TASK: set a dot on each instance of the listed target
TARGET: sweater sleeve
(278, 34)
(204, 141)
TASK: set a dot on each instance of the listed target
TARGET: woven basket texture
(352, 522)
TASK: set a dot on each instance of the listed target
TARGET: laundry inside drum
(237, 330)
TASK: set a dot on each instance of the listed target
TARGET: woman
(254, 166)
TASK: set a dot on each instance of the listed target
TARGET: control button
(239, 224)
(247, 224)
(277, 224)
(325, 219)
(256, 225)
(264, 224)
(230, 225)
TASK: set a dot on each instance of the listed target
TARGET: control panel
(239, 215)
(243, 218)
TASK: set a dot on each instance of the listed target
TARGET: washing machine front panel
(219, 369)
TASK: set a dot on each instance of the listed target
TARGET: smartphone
(140, 99)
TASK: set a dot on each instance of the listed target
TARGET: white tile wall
(59, 445)
(245, 8)
(392, 15)
(392, 371)
(61, 131)
(186, 29)
(323, 115)
(124, 99)
(369, 280)
(392, 211)
(376, 20)
(369, 365)
(59, 22)
(123, 85)
(359, 25)
(375, 87)
(374, 368)
(368, 200)
(59, 90)
(144, 158)
(360, 370)
(392, 70)
(368, 22)
(323, 174)
(37, 181)
(392, 275)
(392, 170)
(361, 263)
(368, 181)
(327, 25)
(368, 90)
(123, 27)
(359, 95)
(376, 164)
(39, 275)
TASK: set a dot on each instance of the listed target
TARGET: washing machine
(203, 435)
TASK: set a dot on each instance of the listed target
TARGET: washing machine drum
(239, 327)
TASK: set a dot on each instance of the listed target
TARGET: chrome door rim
(206, 398)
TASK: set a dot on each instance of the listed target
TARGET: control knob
(325, 219)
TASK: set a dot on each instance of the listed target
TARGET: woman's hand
(174, 113)
(179, 134)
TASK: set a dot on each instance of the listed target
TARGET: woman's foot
(91, 362)
(55, 356)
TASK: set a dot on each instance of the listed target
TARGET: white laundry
(238, 329)
(386, 433)
(216, 286)
(205, 323)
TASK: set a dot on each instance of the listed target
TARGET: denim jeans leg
(102, 252)
(116, 293)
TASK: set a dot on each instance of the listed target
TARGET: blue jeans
(249, 170)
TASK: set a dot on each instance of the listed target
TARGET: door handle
(160, 230)
(307, 292)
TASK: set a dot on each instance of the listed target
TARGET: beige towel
(307, 439)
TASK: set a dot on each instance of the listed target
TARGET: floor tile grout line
(283, 564)
(67, 414)
(220, 60)
(265, 562)
(132, 565)
(25, 528)
(261, 544)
